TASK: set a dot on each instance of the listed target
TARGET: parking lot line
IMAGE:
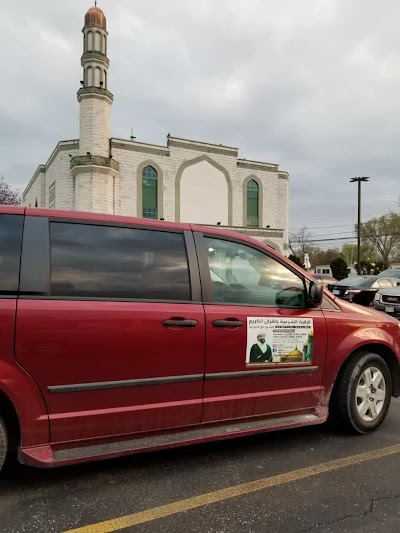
(181, 506)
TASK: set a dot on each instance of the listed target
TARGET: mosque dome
(95, 18)
(293, 356)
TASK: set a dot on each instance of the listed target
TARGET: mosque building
(183, 181)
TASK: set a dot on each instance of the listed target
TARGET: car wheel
(3, 442)
(362, 395)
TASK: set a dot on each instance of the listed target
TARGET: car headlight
(377, 297)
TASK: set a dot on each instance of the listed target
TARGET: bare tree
(7, 195)
(325, 257)
(300, 241)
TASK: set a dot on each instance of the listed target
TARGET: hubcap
(370, 394)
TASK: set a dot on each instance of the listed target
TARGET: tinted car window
(391, 272)
(243, 275)
(354, 281)
(370, 283)
(10, 252)
(111, 262)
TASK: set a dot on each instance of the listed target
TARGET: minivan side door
(114, 335)
(265, 349)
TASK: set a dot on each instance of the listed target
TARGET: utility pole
(359, 180)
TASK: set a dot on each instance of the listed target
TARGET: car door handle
(228, 323)
(180, 322)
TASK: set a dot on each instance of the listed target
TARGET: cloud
(311, 85)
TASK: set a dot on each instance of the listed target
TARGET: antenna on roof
(132, 136)
(95, 3)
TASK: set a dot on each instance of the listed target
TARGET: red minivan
(122, 335)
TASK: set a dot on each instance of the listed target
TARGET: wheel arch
(11, 419)
(24, 404)
(387, 355)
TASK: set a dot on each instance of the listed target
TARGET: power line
(364, 161)
(353, 238)
(325, 246)
(334, 239)
(332, 234)
(337, 180)
(310, 236)
(384, 170)
(325, 227)
(346, 165)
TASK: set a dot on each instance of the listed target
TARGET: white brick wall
(126, 184)
(275, 190)
(283, 209)
(36, 192)
(95, 123)
(58, 173)
(181, 155)
(102, 193)
(271, 195)
(94, 192)
(56, 170)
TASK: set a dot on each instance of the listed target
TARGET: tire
(362, 394)
(3, 443)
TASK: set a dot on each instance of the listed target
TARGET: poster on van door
(279, 341)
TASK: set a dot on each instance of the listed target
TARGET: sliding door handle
(228, 323)
(180, 323)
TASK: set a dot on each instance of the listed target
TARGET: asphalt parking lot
(311, 479)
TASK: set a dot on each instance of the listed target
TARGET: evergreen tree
(339, 268)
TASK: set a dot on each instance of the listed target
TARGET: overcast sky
(313, 85)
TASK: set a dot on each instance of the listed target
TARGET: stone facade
(94, 123)
(196, 182)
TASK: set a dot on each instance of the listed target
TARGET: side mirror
(315, 294)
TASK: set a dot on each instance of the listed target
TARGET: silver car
(388, 300)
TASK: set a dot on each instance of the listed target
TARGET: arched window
(253, 198)
(90, 77)
(149, 192)
(105, 79)
(97, 41)
(89, 41)
(97, 77)
(36, 202)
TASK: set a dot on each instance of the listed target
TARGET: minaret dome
(95, 18)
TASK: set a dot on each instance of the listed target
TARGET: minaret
(94, 169)
(94, 98)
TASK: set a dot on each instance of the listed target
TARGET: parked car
(388, 300)
(325, 279)
(123, 335)
(390, 273)
(360, 289)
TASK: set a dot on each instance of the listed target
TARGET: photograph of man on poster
(260, 352)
